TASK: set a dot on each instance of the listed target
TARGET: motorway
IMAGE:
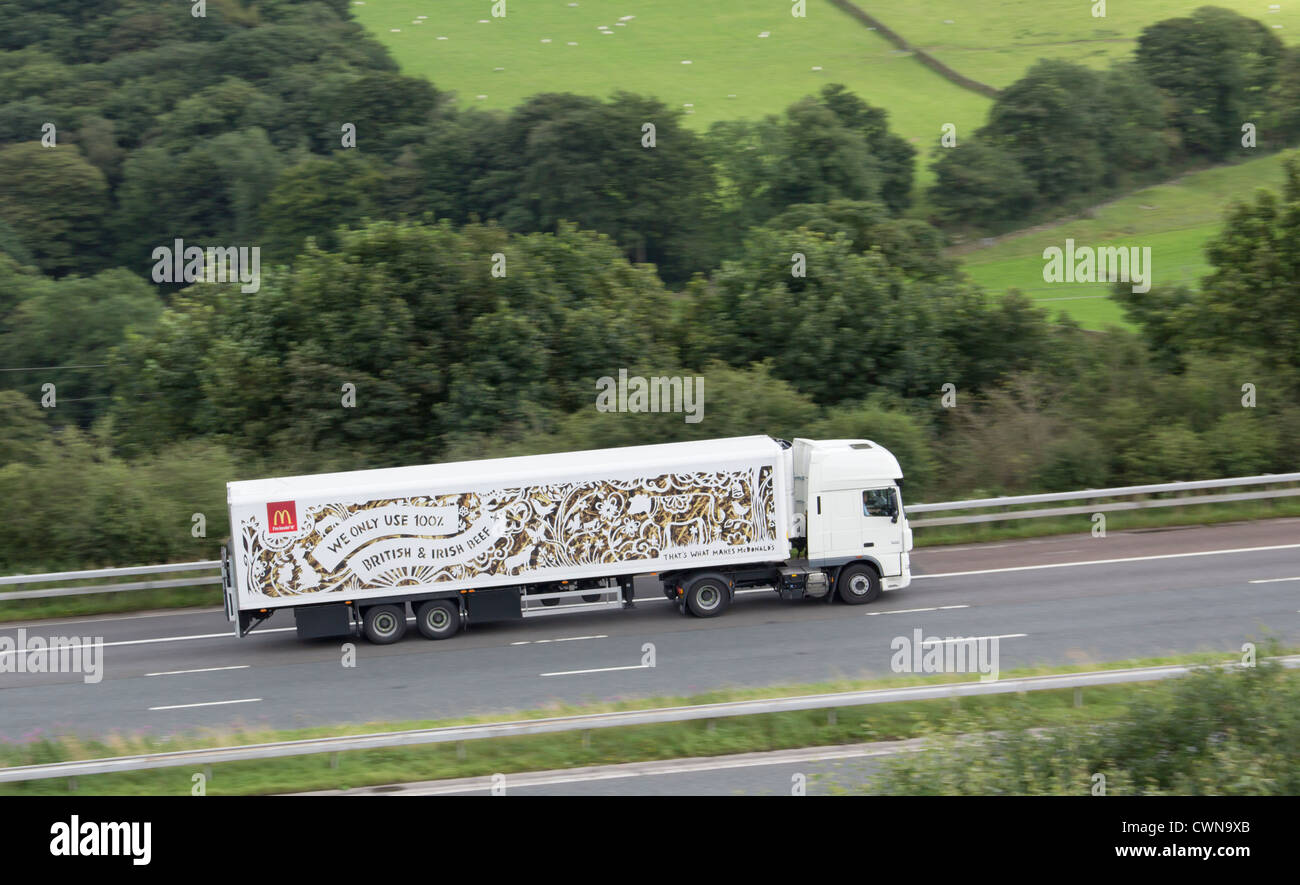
(1064, 600)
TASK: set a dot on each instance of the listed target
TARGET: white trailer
(494, 540)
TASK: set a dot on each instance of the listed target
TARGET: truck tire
(708, 596)
(438, 619)
(858, 584)
(384, 624)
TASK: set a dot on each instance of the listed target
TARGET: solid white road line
(160, 639)
(973, 638)
(203, 670)
(565, 639)
(596, 670)
(908, 611)
(1025, 568)
(208, 704)
(1272, 580)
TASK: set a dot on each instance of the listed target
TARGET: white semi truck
(495, 540)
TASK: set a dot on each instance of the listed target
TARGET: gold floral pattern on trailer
(398, 542)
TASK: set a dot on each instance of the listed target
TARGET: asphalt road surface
(1065, 600)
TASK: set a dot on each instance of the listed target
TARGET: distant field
(1175, 219)
(733, 72)
(996, 41)
(736, 74)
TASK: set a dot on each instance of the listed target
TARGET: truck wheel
(384, 624)
(858, 584)
(708, 597)
(438, 619)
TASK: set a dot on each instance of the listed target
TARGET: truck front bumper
(898, 582)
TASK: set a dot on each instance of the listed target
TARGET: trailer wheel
(858, 584)
(384, 624)
(438, 619)
(708, 596)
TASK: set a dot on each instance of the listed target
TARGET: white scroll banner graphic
(364, 526)
(393, 553)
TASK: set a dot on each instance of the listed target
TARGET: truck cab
(847, 496)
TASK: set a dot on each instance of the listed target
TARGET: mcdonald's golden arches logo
(282, 516)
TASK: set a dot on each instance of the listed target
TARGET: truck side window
(878, 502)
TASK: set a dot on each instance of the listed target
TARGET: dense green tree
(1050, 120)
(387, 109)
(74, 321)
(1218, 67)
(1283, 122)
(571, 158)
(1250, 300)
(207, 195)
(982, 184)
(317, 196)
(913, 246)
(853, 324)
(895, 158)
(822, 159)
(413, 317)
(56, 202)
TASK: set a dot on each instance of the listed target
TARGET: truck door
(842, 523)
(882, 527)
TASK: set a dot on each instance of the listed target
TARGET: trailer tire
(708, 596)
(858, 584)
(384, 624)
(438, 619)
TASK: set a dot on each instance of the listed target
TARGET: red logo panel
(282, 516)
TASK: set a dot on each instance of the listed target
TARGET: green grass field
(996, 41)
(733, 72)
(1176, 219)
